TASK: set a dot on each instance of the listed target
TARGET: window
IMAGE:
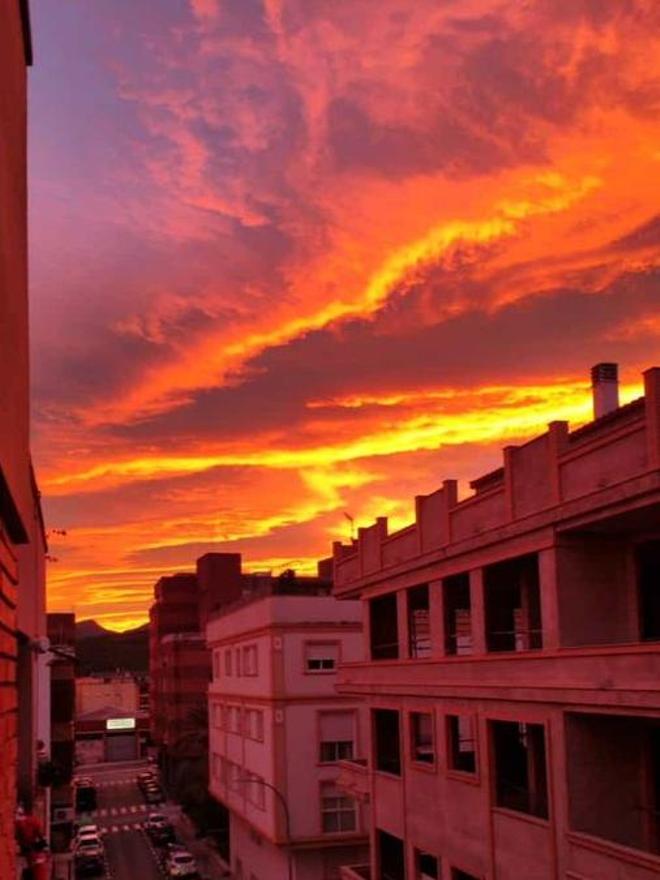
(321, 657)
(513, 605)
(237, 657)
(457, 874)
(218, 715)
(336, 735)
(338, 811)
(461, 745)
(387, 742)
(217, 766)
(253, 720)
(426, 866)
(228, 661)
(250, 660)
(232, 718)
(457, 614)
(648, 585)
(520, 771)
(419, 626)
(391, 861)
(216, 664)
(255, 790)
(384, 627)
(421, 737)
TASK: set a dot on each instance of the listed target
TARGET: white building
(278, 729)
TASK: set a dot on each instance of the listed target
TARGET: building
(93, 692)
(175, 610)
(23, 673)
(110, 725)
(277, 729)
(513, 671)
(62, 639)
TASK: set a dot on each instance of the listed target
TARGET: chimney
(605, 388)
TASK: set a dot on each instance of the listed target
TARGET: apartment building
(278, 729)
(513, 662)
(180, 662)
(23, 670)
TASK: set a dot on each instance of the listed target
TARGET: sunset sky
(296, 258)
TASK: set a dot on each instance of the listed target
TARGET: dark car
(85, 798)
(89, 857)
(153, 794)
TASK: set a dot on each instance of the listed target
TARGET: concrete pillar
(478, 611)
(549, 597)
(402, 615)
(437, 619)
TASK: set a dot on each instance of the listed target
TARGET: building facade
(23, 672)
(277, 729)
(62, 657)
(513, 662)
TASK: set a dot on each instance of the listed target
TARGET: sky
(296, 259)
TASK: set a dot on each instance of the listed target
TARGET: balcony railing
(354, 778)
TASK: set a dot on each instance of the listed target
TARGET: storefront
(108, 734)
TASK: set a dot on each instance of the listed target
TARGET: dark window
(387, 740)
(426, 866)
(457, 614)
(513, 605)
(457, 874)
(421, 737)
(384, 626)
(648, 583)
(419, 630)
(391, 857)
(342, 750)
(461, 746)
(520, 770)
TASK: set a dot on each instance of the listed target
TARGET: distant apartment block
(179, 660)
(513, 662)
(278, 730)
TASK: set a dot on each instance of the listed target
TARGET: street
(121, 814)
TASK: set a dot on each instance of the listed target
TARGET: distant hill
(100, 650)
(89, 629)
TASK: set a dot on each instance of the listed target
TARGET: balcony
(355, 872)
(354, 778)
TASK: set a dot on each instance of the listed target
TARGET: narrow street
(121, 815)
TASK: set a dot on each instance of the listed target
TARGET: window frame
(418, 763)
(457, 772)
(338, 812)
(335, 643)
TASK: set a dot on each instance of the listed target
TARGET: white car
(181, 864)
(86, 830)
(87, 840)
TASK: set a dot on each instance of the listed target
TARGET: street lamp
(287, 816)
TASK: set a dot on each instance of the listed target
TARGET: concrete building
(23, 673)
(278, 729)
(94, 692)
(513, 671)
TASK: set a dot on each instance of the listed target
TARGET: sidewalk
(211, 865)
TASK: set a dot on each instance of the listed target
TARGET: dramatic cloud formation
(292, 258)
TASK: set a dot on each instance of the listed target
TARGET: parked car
(144, 777)
(85, 798)
(82, 830)
(88, 856)
(180, 863)
(153, 794)
(159, 829)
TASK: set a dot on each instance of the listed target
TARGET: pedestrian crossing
(110, 812)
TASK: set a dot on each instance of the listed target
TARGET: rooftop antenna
(352, 522)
